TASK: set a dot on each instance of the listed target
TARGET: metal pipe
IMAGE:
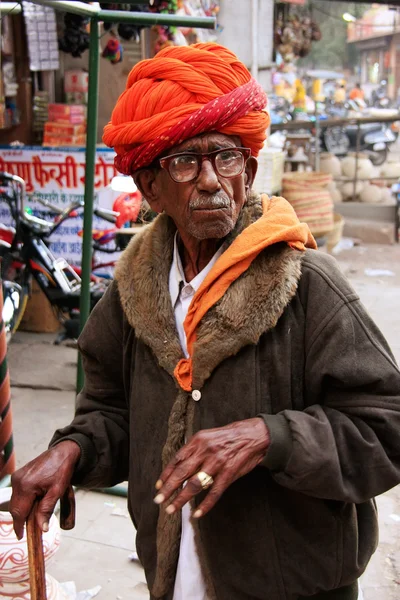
(356, 165)
(293, 125)
(119, 16)
(138, 18)
(10, 7)
(317, 143)
(89, 182)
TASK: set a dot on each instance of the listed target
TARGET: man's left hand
(225, 453)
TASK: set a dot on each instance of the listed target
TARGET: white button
(187, 291)
(196, 395)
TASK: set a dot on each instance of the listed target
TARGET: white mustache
(219, 200)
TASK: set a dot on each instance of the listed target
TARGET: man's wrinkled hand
(45, 478)
(225, 453)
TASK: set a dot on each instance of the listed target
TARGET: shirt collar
(177, 275)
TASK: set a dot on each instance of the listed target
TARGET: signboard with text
(58, 176)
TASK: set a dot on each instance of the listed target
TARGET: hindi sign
(58, 176)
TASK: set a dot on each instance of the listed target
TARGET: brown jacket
(290, 341)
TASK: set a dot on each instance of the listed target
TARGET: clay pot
(388, 197)
(371, 194)
(14, 568)
(336, 196)
(364, 166)
(390, 169)
(348, 189)
(329, 163)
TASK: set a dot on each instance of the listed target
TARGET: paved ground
(97, 550)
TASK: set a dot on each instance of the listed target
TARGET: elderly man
(231, 374)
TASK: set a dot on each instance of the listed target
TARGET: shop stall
(58, 121)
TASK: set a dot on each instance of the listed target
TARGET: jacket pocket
(309, 534)
(359, 539)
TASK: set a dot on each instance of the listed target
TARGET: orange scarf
(278, 223)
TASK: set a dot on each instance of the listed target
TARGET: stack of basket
(310, 198)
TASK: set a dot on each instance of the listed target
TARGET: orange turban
(180, 93)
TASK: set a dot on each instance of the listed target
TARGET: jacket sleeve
(100, 426)
(345, 444)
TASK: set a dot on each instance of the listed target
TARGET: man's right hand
(46, 477)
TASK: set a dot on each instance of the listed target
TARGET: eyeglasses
(185, 167)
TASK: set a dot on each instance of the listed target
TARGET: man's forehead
(212, 141)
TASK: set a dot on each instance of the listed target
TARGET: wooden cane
(37, 573)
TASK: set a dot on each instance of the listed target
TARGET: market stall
(69, 123)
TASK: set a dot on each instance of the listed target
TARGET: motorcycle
(375, 140)
(25, 255)
(380, 98)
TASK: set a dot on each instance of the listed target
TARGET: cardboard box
(67, 113)
(63, 140)
(39, 315)
(76, 80)
(64, 129)
(67, 109)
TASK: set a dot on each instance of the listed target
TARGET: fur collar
(251, 306)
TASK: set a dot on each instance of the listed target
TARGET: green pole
(138, 18)
(91, 140)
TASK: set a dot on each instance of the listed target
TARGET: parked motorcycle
(375, 140)
(380, 98)
(25, 254)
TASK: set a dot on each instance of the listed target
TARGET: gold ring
(205, 479)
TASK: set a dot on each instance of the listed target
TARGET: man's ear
(147, 182)
(250, 172)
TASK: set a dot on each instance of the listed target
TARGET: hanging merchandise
(197, 8)
(165, 35)
(113, 51)
(41, 33)
(76, 38)
(9, 113)
(126, 31)
(293, 36)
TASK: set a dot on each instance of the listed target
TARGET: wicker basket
(310, 198)
(335, 235)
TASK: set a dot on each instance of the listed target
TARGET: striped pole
(7, 455)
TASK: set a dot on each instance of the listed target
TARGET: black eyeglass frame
(201, 157)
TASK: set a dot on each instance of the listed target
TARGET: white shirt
(189, 582)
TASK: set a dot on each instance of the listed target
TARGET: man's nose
(207, 180)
